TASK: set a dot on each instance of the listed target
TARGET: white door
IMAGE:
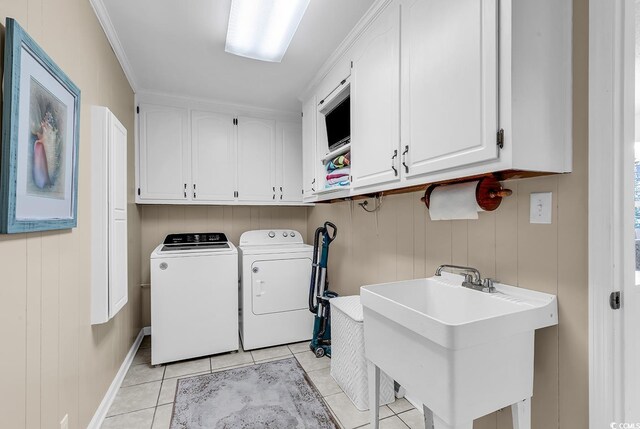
(280, 285)
(289, 162)
(449, 84)
(118, 277)
(309, 154)
(256, 159)
(163, 152)
(375, 101)
(213, 156)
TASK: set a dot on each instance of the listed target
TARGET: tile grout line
(129, 412)
(290, 355)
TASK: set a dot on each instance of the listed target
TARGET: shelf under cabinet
(336, 152)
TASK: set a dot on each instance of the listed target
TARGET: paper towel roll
(454, 202)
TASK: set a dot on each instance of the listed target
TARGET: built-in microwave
(336, 108)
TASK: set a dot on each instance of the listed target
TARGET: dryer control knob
(284, 234)
(293, 234)
(272, 234)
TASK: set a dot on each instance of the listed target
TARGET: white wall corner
(110, 31)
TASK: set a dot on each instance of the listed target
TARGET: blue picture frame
(48, 160)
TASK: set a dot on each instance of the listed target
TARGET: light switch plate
(541, 206)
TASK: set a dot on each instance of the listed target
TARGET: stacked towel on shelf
(338, 171)
(338, 162)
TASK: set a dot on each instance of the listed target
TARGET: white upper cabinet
(375, 101)
(163, 152)
(288, 165)
(449, 84)
(213, 156)
(202, 153)
(109, 260)
(309, 151)
(449, 89)
(256, 159)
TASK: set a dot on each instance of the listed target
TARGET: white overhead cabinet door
(289, 165)
(164, 149)
(450, 84)
(375, 101)
(213, 156)
(309, 154)
(256, 153)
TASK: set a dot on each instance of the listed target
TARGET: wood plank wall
(52, 361)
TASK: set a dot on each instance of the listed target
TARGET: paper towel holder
(489, 192)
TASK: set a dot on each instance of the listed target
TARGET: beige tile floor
(145, 400)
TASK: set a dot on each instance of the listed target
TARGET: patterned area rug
(270, 395)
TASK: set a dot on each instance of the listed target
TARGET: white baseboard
(412, 401)
(103, 408)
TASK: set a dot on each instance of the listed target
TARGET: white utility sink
(463, 353)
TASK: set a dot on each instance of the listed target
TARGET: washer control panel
(203, 240)
(270, 237)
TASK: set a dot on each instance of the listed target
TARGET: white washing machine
(194, 297)
(275, 273)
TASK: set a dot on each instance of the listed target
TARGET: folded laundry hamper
(348, 364)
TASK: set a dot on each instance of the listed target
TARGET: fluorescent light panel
(263, 29)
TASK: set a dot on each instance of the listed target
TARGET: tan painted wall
(52, 362)
(158, 221)
(405, 244)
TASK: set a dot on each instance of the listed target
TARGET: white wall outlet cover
(541, 207)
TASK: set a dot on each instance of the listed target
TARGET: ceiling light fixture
(263, 29)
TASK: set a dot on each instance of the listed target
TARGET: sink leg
(428, 417)
(521, 413)
(374, 393)
(438, 423)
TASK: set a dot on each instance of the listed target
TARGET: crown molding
(110, 31)
(343, 47)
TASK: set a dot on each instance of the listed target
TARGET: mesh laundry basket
(348, 364)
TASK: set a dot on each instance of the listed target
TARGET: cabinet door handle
(406, 167)
(185, 190)
(393, 163)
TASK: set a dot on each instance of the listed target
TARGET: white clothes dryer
(275, 274)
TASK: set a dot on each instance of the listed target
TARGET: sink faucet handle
(487, 285)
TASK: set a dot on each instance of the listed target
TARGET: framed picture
(40, 132)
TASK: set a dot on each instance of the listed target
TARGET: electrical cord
(365, 203)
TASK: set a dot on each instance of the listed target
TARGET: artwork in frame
(40, 132)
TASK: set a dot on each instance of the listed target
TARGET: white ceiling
(177, 47)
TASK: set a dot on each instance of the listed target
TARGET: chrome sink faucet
(472, 278)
